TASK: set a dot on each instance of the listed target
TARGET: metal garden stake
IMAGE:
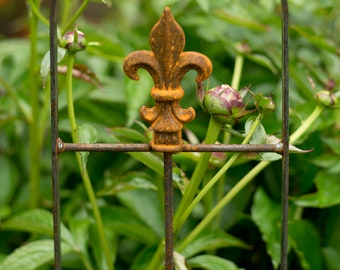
(167, 65)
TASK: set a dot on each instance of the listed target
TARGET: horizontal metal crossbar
(140, 147)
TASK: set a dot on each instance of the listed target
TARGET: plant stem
(84, 174)
(225, 200)
(307, 124)
(217, 176)
(211, 137)
(213, 131)
(34, 177)
(11, 92)
(76, 15)
(201, 167)
(247, 179)
(35, 9)
(235, 82)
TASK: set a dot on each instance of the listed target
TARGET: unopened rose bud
(73, 41)
(225, 103)
(326, 98)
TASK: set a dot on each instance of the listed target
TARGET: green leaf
(46, 63)
(327, 194)
(332, 258)
(36, 221)
(137, 94)
(131, 135)
(262, 60)
(32, 255)
(237, 20)
(151, 160)
(333, 143)
(146, 205)
(267, 216)
(313, 38)
(132, 180)
(204, 4)
(210, 240)
(142, 260)
(210, 262)
(124, 222)
(259, 135)
(86, 134)
(305, 241)
(95, 244)
(8, 180)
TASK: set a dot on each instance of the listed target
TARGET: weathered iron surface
(167, 65)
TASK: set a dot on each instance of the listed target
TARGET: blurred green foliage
(129, 186)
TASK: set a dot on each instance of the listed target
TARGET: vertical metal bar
(54, 135)
(168, 212)
(285, 134)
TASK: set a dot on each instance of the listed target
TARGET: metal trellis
(167, 64)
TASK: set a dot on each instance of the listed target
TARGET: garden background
(243, 40)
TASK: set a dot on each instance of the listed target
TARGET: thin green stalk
(213, 131)
(37, 13)
(235, 82)
(211, 137)
(84, 173)
(246, 180)
(225, 200)
(16, 100)
(201, 167)
(217, 176)
(76, 15)
(306, 124)
(34, 177)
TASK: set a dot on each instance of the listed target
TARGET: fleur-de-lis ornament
(167, 65)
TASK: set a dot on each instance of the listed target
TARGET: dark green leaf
(305, 241)
(36, 221)
(128, 134)
(146, 205)
(327, 194)
(132, 180)
(32, 255)
(267, 216)
(137, 94)
(86, 134)
(124, 222)
(45, 63)
(332, 258)
(8, 180)
(210, 240)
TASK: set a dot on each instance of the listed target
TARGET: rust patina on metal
(167, 64)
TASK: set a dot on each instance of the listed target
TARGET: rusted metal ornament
(167, 65)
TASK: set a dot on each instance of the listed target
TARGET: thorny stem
(246, 180)
(84, 173)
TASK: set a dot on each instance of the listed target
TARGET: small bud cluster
(73, 41)
(328, 97)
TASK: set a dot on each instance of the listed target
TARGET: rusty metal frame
(167, 64)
